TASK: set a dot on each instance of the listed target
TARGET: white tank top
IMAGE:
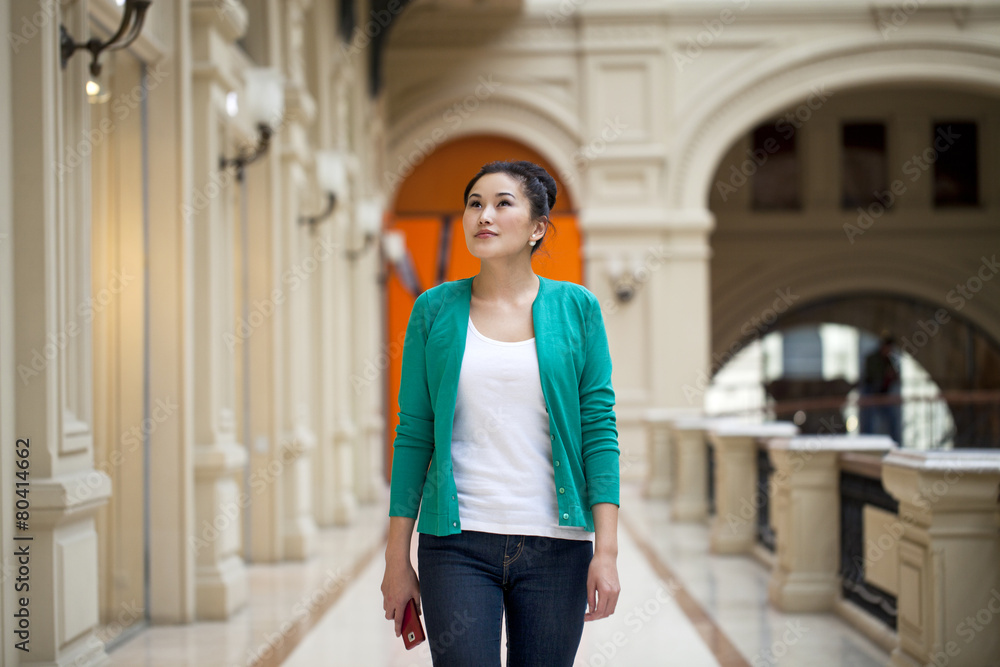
(500, 446)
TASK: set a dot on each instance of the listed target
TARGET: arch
(513, 114)
(789, 76)
(828, 275)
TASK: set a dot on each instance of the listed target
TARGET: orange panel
(434, 190)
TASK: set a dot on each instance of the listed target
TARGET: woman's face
(497, 220)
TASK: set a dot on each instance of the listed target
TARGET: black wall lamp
(133, 16)
(265, 96)
(331, 174)
(625, 281)
(369, 222)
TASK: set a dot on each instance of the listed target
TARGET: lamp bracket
(133, 17)
(313, 220)
(248, 157)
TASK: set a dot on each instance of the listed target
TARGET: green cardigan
(575, 369)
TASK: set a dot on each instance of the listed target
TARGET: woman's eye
(504, 203)
(473, 204)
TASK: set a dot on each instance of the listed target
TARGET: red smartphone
(413, 630)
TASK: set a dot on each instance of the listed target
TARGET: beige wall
(637, 105)
(596, 87)
(913, 250)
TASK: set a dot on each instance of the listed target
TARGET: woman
(507, 444)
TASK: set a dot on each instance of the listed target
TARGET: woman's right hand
(399, 584)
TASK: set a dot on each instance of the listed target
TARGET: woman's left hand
(602, 586)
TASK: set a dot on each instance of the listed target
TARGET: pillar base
(221, 588)
(86, 652)
(220, 575)
(799, 592)
(725, 540)
(687, 510)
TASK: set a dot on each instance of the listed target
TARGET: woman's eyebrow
(499, 194)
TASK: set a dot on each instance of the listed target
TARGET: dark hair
(538, 186)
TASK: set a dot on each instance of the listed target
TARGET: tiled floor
(679, 606)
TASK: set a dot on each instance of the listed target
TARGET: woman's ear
(541, 226)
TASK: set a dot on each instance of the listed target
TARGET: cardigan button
(565, 516)
(557, 463)
(552, 437)
(454, 523)
(562, 490)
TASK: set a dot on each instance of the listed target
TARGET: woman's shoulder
(565, 289)
(439, 296)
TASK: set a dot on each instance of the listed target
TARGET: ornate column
(805, 510)
(334, 501)
(949, 556)
(54, 542)
(659, 482)
(304, 254)
(690, 501)
(734, 527)
(220, 579)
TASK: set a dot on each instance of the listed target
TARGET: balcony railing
(861, 486)
(765, 533)
(946, 420)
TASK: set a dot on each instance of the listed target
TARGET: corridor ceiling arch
(737, 99)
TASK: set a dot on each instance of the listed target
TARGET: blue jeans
(469, 580)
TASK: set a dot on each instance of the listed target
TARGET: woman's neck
(504, 282)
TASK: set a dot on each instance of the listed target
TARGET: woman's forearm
(400, 534)
(605, 529)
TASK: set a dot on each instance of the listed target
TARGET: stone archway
(443, 115)
(789, 76)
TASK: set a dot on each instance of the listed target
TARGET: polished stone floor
(680, 606)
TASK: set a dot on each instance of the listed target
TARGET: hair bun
(545, 179)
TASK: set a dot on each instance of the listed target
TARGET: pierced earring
(531, 243)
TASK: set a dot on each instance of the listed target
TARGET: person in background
(882, 380)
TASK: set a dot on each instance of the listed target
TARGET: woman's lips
(483, 235)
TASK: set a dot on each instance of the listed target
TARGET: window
(863, 167)
(775, 165)
(956, 164)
